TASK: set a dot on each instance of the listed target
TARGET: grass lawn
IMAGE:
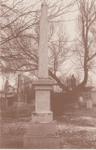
(77, 128)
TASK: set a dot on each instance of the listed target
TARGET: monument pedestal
(42, 132)
(42, 112)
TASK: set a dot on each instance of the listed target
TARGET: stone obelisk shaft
(43, 85)
(43, 43)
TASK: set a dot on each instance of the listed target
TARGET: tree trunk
(60, 84)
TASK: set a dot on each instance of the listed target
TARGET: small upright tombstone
(0, 113)
(20, 100)
(73, 82)
(89, 103)
(88, 99)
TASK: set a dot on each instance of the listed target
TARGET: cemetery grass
(76, 128)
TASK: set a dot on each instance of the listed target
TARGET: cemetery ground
(76, 127)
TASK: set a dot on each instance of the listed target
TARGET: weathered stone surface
(0, 115)
(89, 104)
(42, 104)
(43, 117)
(43, 43)
(93, 95)
(42, 101)
(44, 84)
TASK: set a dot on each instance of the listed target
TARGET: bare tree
(86, 51)
(58, 51)
(19, 48)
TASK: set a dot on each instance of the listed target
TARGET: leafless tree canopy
(19, 36)
(87, 19)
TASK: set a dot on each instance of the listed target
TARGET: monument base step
(42, 135)
(44, 117)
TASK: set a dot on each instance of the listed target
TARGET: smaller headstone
(0, 115)
(88, 99)
(89, 104)
(20, 101)
(73, 81)
(0, 110)
(93, 95)
(81, 101)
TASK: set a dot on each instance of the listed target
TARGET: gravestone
(42, 132)
(93, 95)
(0, 115)
(43, 85)
(89, 103)
(20, 101)
(88, 99)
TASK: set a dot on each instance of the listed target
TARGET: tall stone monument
(42, 130)
(43, 85)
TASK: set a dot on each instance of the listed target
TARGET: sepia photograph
(47, 74)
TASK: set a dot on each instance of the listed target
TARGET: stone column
(42, 128)
(20, 101)
(44, 84)
(43, 43)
